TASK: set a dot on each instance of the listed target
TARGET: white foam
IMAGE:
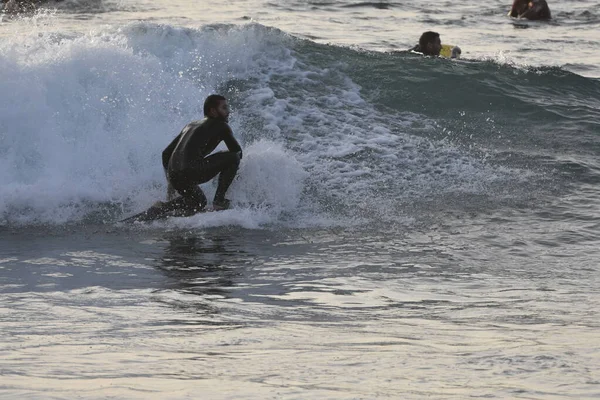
(85, 119)
(269, 175)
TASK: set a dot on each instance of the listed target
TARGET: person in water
(530, 9)
(188, 161)
(430, 44)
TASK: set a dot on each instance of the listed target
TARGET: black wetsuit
(416, 48)
(188, 165)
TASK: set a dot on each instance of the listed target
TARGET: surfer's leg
(226, 165)
(192, 198)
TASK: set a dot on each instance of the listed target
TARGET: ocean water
(404, 227)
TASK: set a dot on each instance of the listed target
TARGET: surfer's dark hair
(212, 101)
(426, 38)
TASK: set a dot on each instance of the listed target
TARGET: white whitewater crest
(85, 119)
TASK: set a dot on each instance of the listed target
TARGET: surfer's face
(222, 111)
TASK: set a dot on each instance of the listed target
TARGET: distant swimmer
(430, 44)
(188, 161)
(530, 9)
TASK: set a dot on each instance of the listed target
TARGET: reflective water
(444, 313)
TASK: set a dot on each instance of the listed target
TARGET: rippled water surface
(445, 313)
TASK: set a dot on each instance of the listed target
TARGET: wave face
(329, 133)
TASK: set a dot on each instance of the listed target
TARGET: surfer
(188, 161)
(530, 9)
(430, 44)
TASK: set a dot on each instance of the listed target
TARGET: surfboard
(163, 210)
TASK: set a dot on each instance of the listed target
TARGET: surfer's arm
(168, 152)
(230, 141)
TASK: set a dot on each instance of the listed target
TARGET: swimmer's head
(430, 43)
